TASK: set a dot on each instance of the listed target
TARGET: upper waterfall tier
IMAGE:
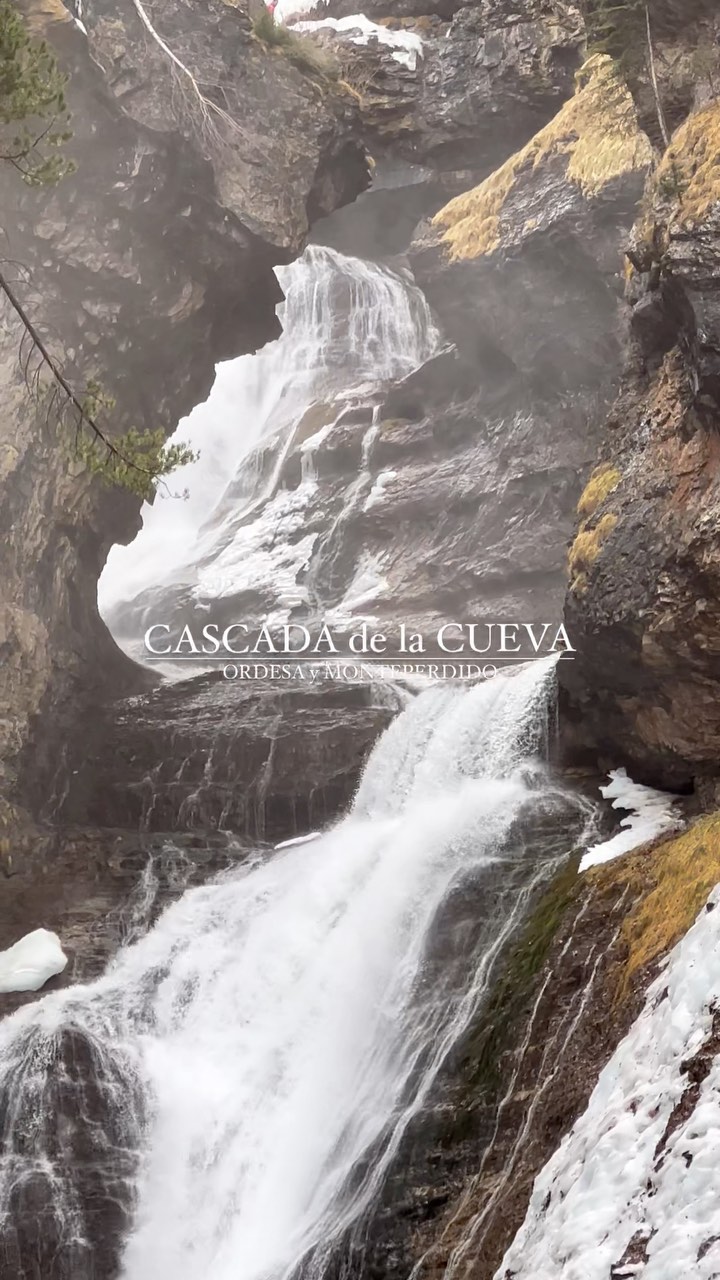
(348, 326)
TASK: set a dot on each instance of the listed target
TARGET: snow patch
(291, 8)
(407, 47)
(31, 962)
(650, 814)
(624, 1172)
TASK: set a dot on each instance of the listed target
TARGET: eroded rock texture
(485, 82)
(146, 267)
(643, 597)
(263, 761)
(451, 493)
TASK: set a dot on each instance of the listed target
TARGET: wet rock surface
(642, 598)
(491, 63)
(262, 762)
(144, 268)
(71, 1112)
(99, 889)
(52, 1232)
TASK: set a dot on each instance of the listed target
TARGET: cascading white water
(346, 323)
(284, 1023)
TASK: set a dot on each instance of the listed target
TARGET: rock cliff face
(452, 490)
(483, 84)
(644, 563)
(450, 493)
(149, 265)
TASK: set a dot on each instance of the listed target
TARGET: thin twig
(206, 104)
(653, 76)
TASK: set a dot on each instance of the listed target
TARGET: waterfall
(346, 324)
(261, 1051)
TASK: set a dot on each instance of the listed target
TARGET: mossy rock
(508, 1003)
(596, 133)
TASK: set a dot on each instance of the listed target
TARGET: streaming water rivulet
(236, 1084)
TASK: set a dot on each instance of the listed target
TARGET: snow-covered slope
(634, 1189)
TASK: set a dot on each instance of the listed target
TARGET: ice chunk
(650, 813)
(377, 492)
(29, 964)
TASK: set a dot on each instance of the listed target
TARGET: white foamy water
(284, 1024)
(346, 323)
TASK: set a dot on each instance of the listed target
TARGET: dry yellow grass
(679, 875)
(40, 14)
(586, 549)
(597, 130)
(601, 484)
(690, 167)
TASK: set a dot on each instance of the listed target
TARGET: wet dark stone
(264, 761)
(72, 1117)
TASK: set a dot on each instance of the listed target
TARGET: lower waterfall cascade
(263, 1048)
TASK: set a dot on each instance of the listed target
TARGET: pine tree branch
(61, 381)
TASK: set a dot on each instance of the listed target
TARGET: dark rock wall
(143, 269)
(263, 762)
(643, 596)
(486, 81)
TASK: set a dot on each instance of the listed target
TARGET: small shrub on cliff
(600, 485)
(586, 548)
(617, 28)
(137, 460)
(300, 50)
(623, 31)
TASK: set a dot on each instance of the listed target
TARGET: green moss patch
(508, 1004)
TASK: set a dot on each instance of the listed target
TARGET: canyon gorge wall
(566, 263)
(147, 266)
(642, 592)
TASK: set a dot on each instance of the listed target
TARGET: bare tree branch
(653, 77)
(37, 345)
